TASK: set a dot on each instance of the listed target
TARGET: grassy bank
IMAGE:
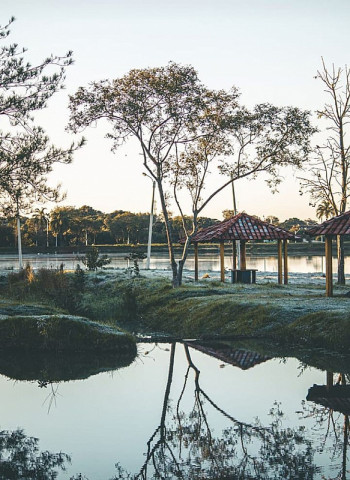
(40, 311)
(298, 314)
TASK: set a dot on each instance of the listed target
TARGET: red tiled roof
(242, 227)
(339, 225)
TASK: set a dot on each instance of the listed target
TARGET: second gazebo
(330, 229)
(244, 228)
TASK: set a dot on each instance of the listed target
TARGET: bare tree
(328, 182)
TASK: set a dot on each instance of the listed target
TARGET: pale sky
(269, 49)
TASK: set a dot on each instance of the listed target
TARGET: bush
(93, 260)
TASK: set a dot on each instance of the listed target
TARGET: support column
(329, 277)
(279, 261)
(195, 261)
(243, 255)
(329, 379)
(222, 261)
(285, 261)
(234, 255)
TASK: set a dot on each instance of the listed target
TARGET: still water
(207, 262)
(176, 411)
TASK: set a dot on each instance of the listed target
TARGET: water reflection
(59, 367)
(184, 445)
(229, 429)
(328, 400)
(21, 459)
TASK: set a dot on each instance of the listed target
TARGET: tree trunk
(19, 242)
(183, 260)
(169, 235)
(341, 260)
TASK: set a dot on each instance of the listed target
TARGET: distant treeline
(69, 226)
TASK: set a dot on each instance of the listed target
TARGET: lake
(207, 262)
(176, 411)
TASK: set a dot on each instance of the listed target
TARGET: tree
(25, 161)
(272, 219)
(328, 182)
(26, 155)
(42, 220)
(61, 220)
(183, 128)
(324, 210)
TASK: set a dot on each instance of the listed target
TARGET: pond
(207, 262)
(176, 411)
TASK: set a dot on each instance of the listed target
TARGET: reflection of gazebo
(244, 228)
(237, 357)
(339, 225)
(336, 398)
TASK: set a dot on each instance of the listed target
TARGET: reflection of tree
(20, 458)
(185, 446)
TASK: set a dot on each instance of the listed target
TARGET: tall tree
(328, 182)
(183, 128)
(26, 156)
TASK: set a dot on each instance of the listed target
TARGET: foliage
(52, 286)
(93, 260)
(20, 458)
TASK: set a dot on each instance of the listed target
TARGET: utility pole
(150, 227)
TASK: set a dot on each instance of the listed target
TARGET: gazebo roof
(243, 359)
(339, 225)
(242, 227)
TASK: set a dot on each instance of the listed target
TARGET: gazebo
(244, 227)
(339, 225)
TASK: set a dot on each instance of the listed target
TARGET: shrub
(93, 260)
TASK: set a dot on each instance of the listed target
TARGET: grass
(293, 313)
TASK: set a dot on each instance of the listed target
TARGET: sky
(269, 49)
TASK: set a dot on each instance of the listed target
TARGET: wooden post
(279, 261)
(329, 379)
(222, 261)
(285, 261)
(329, 277)
(234, 255)
(243, 255)
(196, 261)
